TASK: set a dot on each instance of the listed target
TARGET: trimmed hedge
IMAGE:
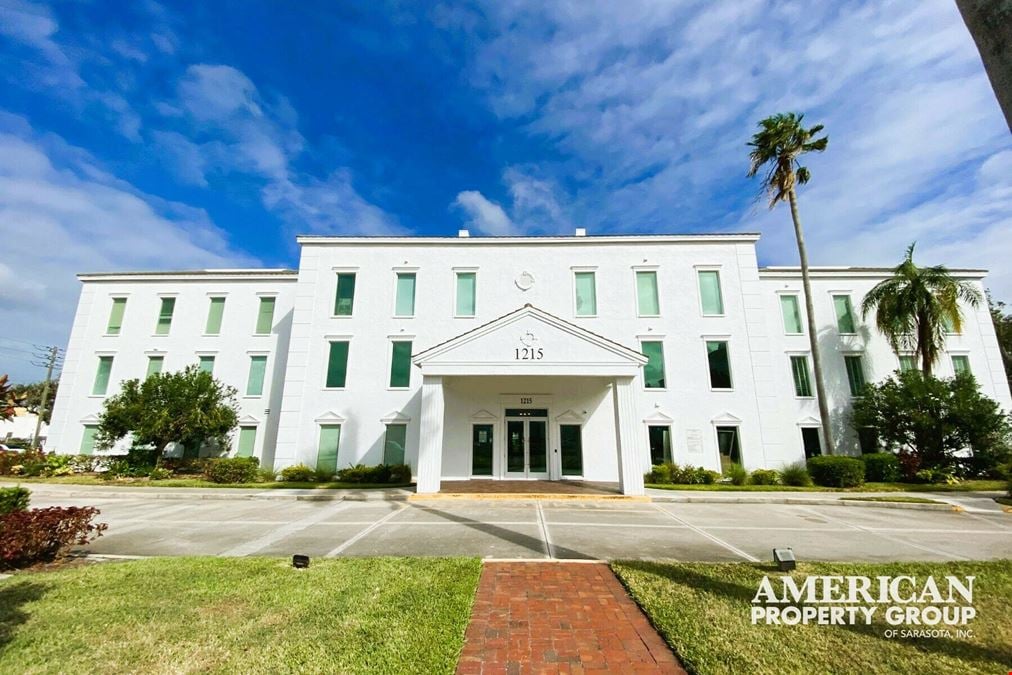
(881, 467)
(836, 471)
(232, 470)
(764, 477)
(299, 473)
(670, 473)
(13, 499)
(381, 473)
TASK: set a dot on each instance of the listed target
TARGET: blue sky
(144, 136)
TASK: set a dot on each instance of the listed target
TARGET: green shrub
(660, 474)
(881, 467)
(400, 474)
(266, 475)
(795, 474)
(40, 535)
(13, 499)
(737, 474)
(379, 474)
(300, 473)
(159, 474)
(836, 471)
(232, 469)
(937, 475)
(764, 477)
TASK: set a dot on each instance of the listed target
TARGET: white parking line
(715, 540)
(139, 524)
(366, 531)
(544, 532)
(892, 538)
(283, 531)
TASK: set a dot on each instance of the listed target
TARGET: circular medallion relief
(524, 281)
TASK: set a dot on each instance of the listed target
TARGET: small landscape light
(784, 558)
(300, 562)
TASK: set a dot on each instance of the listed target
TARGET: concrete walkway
(559, 618)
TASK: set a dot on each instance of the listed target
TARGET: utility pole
(49, 358)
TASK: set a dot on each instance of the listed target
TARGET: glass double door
(527, 448)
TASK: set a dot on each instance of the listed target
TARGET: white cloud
(485, 216)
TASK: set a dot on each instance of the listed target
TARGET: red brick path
(559, 618)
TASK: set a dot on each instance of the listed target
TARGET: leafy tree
(6, 399)
(776, 149)
(189, 407)
(916, 305)
(1003, 329)
(30, 397)
(928, 420)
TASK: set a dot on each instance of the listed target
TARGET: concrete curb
(810, 501)
(523, 496)
(117, 494)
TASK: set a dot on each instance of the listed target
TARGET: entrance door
(527, 448)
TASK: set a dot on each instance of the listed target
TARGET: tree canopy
(778, 144)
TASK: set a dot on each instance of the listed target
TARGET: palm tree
(990, 25)
(776, 147)
(916, 306)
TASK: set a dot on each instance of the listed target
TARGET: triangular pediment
(395, 417)
(484, 415)
(726, 418)
(809, 421)
(530, 341)
(659, 417)
(330, 417)
(569, 417)
(247, 420)
(90, 419)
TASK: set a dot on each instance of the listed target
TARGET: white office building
(558, 358)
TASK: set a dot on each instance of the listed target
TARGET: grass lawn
(965, 486)
(1007, 501)
(703, 611)
(91, 479)
(185, 615)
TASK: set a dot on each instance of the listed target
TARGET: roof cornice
(606, 239)
(195, 275)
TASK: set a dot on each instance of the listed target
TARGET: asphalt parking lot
(539, 529)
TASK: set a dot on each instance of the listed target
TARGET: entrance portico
(511, 399)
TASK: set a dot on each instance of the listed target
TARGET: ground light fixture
(300, 562)
(784, 558)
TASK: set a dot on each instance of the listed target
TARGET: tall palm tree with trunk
(776, 151)
(917, 306)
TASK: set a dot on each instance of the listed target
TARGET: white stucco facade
(514, 381)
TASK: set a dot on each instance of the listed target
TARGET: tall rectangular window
(155, 364)
(88, 439)
(257, 371)
(811, 441)
(660, 444)
(400, 364)
(961, 364)
(165, 316)
(326, 454)
(586, 293)
(405, 302)
(792, 314)
(653, 371)
(802, 379)
(855, 373)
(265, 316)
(206, 364)
(571, 449)
(247, 441)
(481, 449)
(344, 302)
(337, 364)
(710, 297)
(907, 362)
(215, 311)
(720, 364)
(728, 447)
(648, 302)
(116, 316)
(844, 314)
(102, 376)
(394, 442)
(466, 290)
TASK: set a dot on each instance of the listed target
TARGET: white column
(630, 466)
(430, 442)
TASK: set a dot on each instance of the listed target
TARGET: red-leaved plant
(42, 535)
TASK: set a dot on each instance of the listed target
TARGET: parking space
(540, 529)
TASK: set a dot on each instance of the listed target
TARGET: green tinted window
(344, 302)
(102, 376)
(394, 443)
(400, 364)
(802, 381)
(855, 374)
(907, 362)
(257, 370)
(844, 313)
(466, 288)
(206, 364)
(337, 364)
(247, 439)
(709, 292)
(165, 316)
(265, 317)
(720, 365)
(214, 313)
(792, 314)
(653, 371)
(154, 365)
(961, 364)
(646, 294)
(660, 444)
(405, 305)
(586, 294)
(116, 316)
(326, 455)
(88, 439)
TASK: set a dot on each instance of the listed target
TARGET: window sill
(97, 395)
(648, 316)
(463, 316)
(110, 334)
(252, 396)
(335, 388)
(713, 316)
(722, 390)
(585, 316)
(262, 335)
(398, 388)
(403, 317)
(342, 316)
(804, 398)
(159, 335)
(655, 389)
(853, 334)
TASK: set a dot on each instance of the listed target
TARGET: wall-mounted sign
(529, 349)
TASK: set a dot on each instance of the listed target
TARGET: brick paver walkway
(559, 618)
(545, 487)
